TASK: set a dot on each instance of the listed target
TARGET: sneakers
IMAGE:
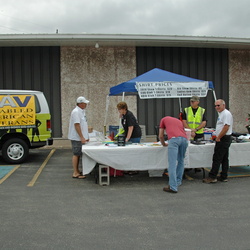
(222, 179)
(168, 189)
(209, 180)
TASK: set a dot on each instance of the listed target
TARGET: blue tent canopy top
(154, 75)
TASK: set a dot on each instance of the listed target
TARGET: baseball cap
(195, 98)
(81, 99)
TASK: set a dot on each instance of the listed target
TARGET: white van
(24, 123)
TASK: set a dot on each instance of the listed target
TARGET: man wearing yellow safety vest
(194, 118)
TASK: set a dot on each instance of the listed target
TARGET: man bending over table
(177, 145)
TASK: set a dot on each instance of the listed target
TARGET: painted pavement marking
(39, 171)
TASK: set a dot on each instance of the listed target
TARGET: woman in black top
(129, 123)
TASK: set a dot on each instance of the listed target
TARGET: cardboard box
(155, 173)
(113, 129)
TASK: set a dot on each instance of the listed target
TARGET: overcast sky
(222, 18)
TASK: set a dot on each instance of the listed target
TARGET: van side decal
(17, 111)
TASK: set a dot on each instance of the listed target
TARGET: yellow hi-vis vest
(194, 121)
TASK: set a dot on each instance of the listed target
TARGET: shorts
(76, 147)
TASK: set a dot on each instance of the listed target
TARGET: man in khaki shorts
(78, 133)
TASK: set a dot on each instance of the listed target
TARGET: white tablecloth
(201, 156)
(130, 157)
(148, 157)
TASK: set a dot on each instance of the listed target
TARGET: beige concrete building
(91, 72)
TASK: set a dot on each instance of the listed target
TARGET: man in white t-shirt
(223, 140)
(78, 133)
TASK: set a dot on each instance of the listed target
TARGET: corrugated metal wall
(34, 68)
(200, 63)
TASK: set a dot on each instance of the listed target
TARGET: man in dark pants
(223, 141)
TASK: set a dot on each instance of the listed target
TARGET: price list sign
(148, 90)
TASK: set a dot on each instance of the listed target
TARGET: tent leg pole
(106, 114)
(180, 105)
(214, 95)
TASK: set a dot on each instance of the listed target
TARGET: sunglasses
(217, 105)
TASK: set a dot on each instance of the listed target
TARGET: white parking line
(9, 174)
(39, 171)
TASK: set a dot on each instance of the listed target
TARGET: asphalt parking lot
(43, 207)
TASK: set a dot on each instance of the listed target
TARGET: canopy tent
(154, 75)
(158, 83)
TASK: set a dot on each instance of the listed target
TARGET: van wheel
(15, 151)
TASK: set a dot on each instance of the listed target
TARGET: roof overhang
(17, 40)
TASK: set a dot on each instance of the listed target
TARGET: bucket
(188, 133)
(207, 136)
